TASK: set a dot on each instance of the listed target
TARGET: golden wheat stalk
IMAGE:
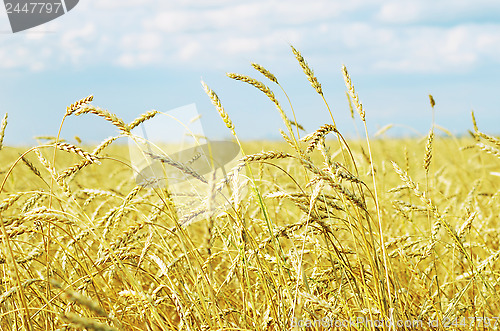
(265, 72)
(331, 181)
(71, 109)
(218, 105)
(308, 71)
(319, 135)
(77, 167)
(126, 236)
(118, 213)
(110, 117)
(413, 186)
(77, 150)
(182, 167)
(300, 198)
(60, 181)
(264, 156)
(431, 100)
(73, 169)
(45, 163)
(474, 123)
(489, 138)
(105, 143)
(428, 151)
(466, 226)
(31, 167)
(35, 253)
(342, 173)
(257, 157)
(267, 91)
(7, 294)
(488, 149)
(349, 101)
(352, 93)
(7, 202)
(287, 139)
(144, 117)
(297, 125)
(32, 202)
(2, 129)
(408, 206)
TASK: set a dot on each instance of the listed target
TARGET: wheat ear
(267, 91)
(265, 72)
(2, 129)
(144, 117)
(308, 71)
(318, 135)
(218, 105)
(428, 150)
(182, 167)
(431, 100)
(77, 150)
(115, 120)
(71, 109)
(352, 93)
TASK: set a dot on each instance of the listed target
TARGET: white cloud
(374, 35)
(439, 12)
(438, 49)
(400, 12)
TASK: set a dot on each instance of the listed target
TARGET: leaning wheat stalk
(182, 167)
(2, 129)
(71, 109)
(308, 71)
(115, 120)
(144, 117)
(77, 150)
(268, 92)
(218, 105)
(428, 151)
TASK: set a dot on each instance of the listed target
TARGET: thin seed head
(351, 109)
(308, 71)
(352, 93)
(31, 166)
(263, 156)
(286, 138)
(105, 143)
(144, 117)
(218, 105)
(77, 105)
(491, 139)
(182, 167)
(318, 135)
(428, 151)
(474, 122)
(489, 149)
(77, 167)
(77, 150)
(265, 72)
(115, 120)
(267, 91)
(431, 99)
(2, 129)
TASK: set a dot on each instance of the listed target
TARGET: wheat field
(319, 232)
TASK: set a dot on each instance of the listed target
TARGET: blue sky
(134, 56)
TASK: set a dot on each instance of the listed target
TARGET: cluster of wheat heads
(328, 233)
